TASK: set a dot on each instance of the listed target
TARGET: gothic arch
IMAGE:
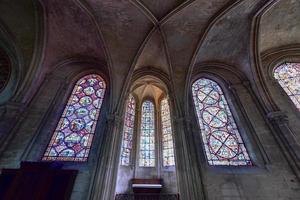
(62, 80)
(12, 54)
(235, 87)
(280, 109)
(270, 60)
(148, 84)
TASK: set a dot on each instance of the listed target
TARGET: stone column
(107, 167)
(287, 139)
(188, 169)
(9, 115)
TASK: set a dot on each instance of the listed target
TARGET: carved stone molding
(279, 117)
(114, 120)
(11, 109)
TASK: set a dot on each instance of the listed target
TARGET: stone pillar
(287, 139)
(188, 169)
(9, 115)
(107, 167)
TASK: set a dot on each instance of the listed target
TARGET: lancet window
(147, 136)
(288, 76)
(74, 133)
(128, 130)
(167, 135)
(223, 143)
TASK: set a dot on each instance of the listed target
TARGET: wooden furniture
(37, 181)
(146, 185)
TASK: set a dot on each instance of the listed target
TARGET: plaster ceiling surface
(70, 33)
(183, 32)
(154, 54)
(161, 8)
(148, 87)
(280, 25)
(228, 41)
(133, 39)
(124, 29)
(18, 18)
(170, 35)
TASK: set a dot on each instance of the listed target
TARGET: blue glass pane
(128, 131)
(147, 136)
(288, 76)
(73, 136)
(167, 135)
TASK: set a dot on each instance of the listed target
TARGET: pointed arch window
(288, 76)
(222, 141)
(73, 135)
(128, 131)
(147, 136)
(167, 135)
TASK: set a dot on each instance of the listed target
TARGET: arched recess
(148, 85)
(269, 24)
(237, 91)
(12, 67)
(44, 112)
(11, 55)
(277, 102)
(58, 85)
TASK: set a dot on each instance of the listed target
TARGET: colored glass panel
(128, 131)
(288, 76)
(147, 136)
(222, 140)
(167, 135)
(73, 136)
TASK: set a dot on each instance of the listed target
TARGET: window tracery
(167, 135)
(128, 131)
(222, 141)
(73, 136)
(147, 136)
(288, 76)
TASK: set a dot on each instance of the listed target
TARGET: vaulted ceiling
(173, 36)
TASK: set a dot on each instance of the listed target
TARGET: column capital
(278, 117)
(11, 108)
(182, 120)
(114, 119)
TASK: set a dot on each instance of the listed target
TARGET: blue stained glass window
(147, 136)
(128, 131)
(288, 76)
(167, 135)
(73, 136)
(222, 140)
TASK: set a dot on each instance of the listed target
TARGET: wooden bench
(146, 185)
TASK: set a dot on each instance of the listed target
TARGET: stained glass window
(221, 137)
(128, 131)
(147, 136)
(167, 137)
(288, 76)
(73, 136)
